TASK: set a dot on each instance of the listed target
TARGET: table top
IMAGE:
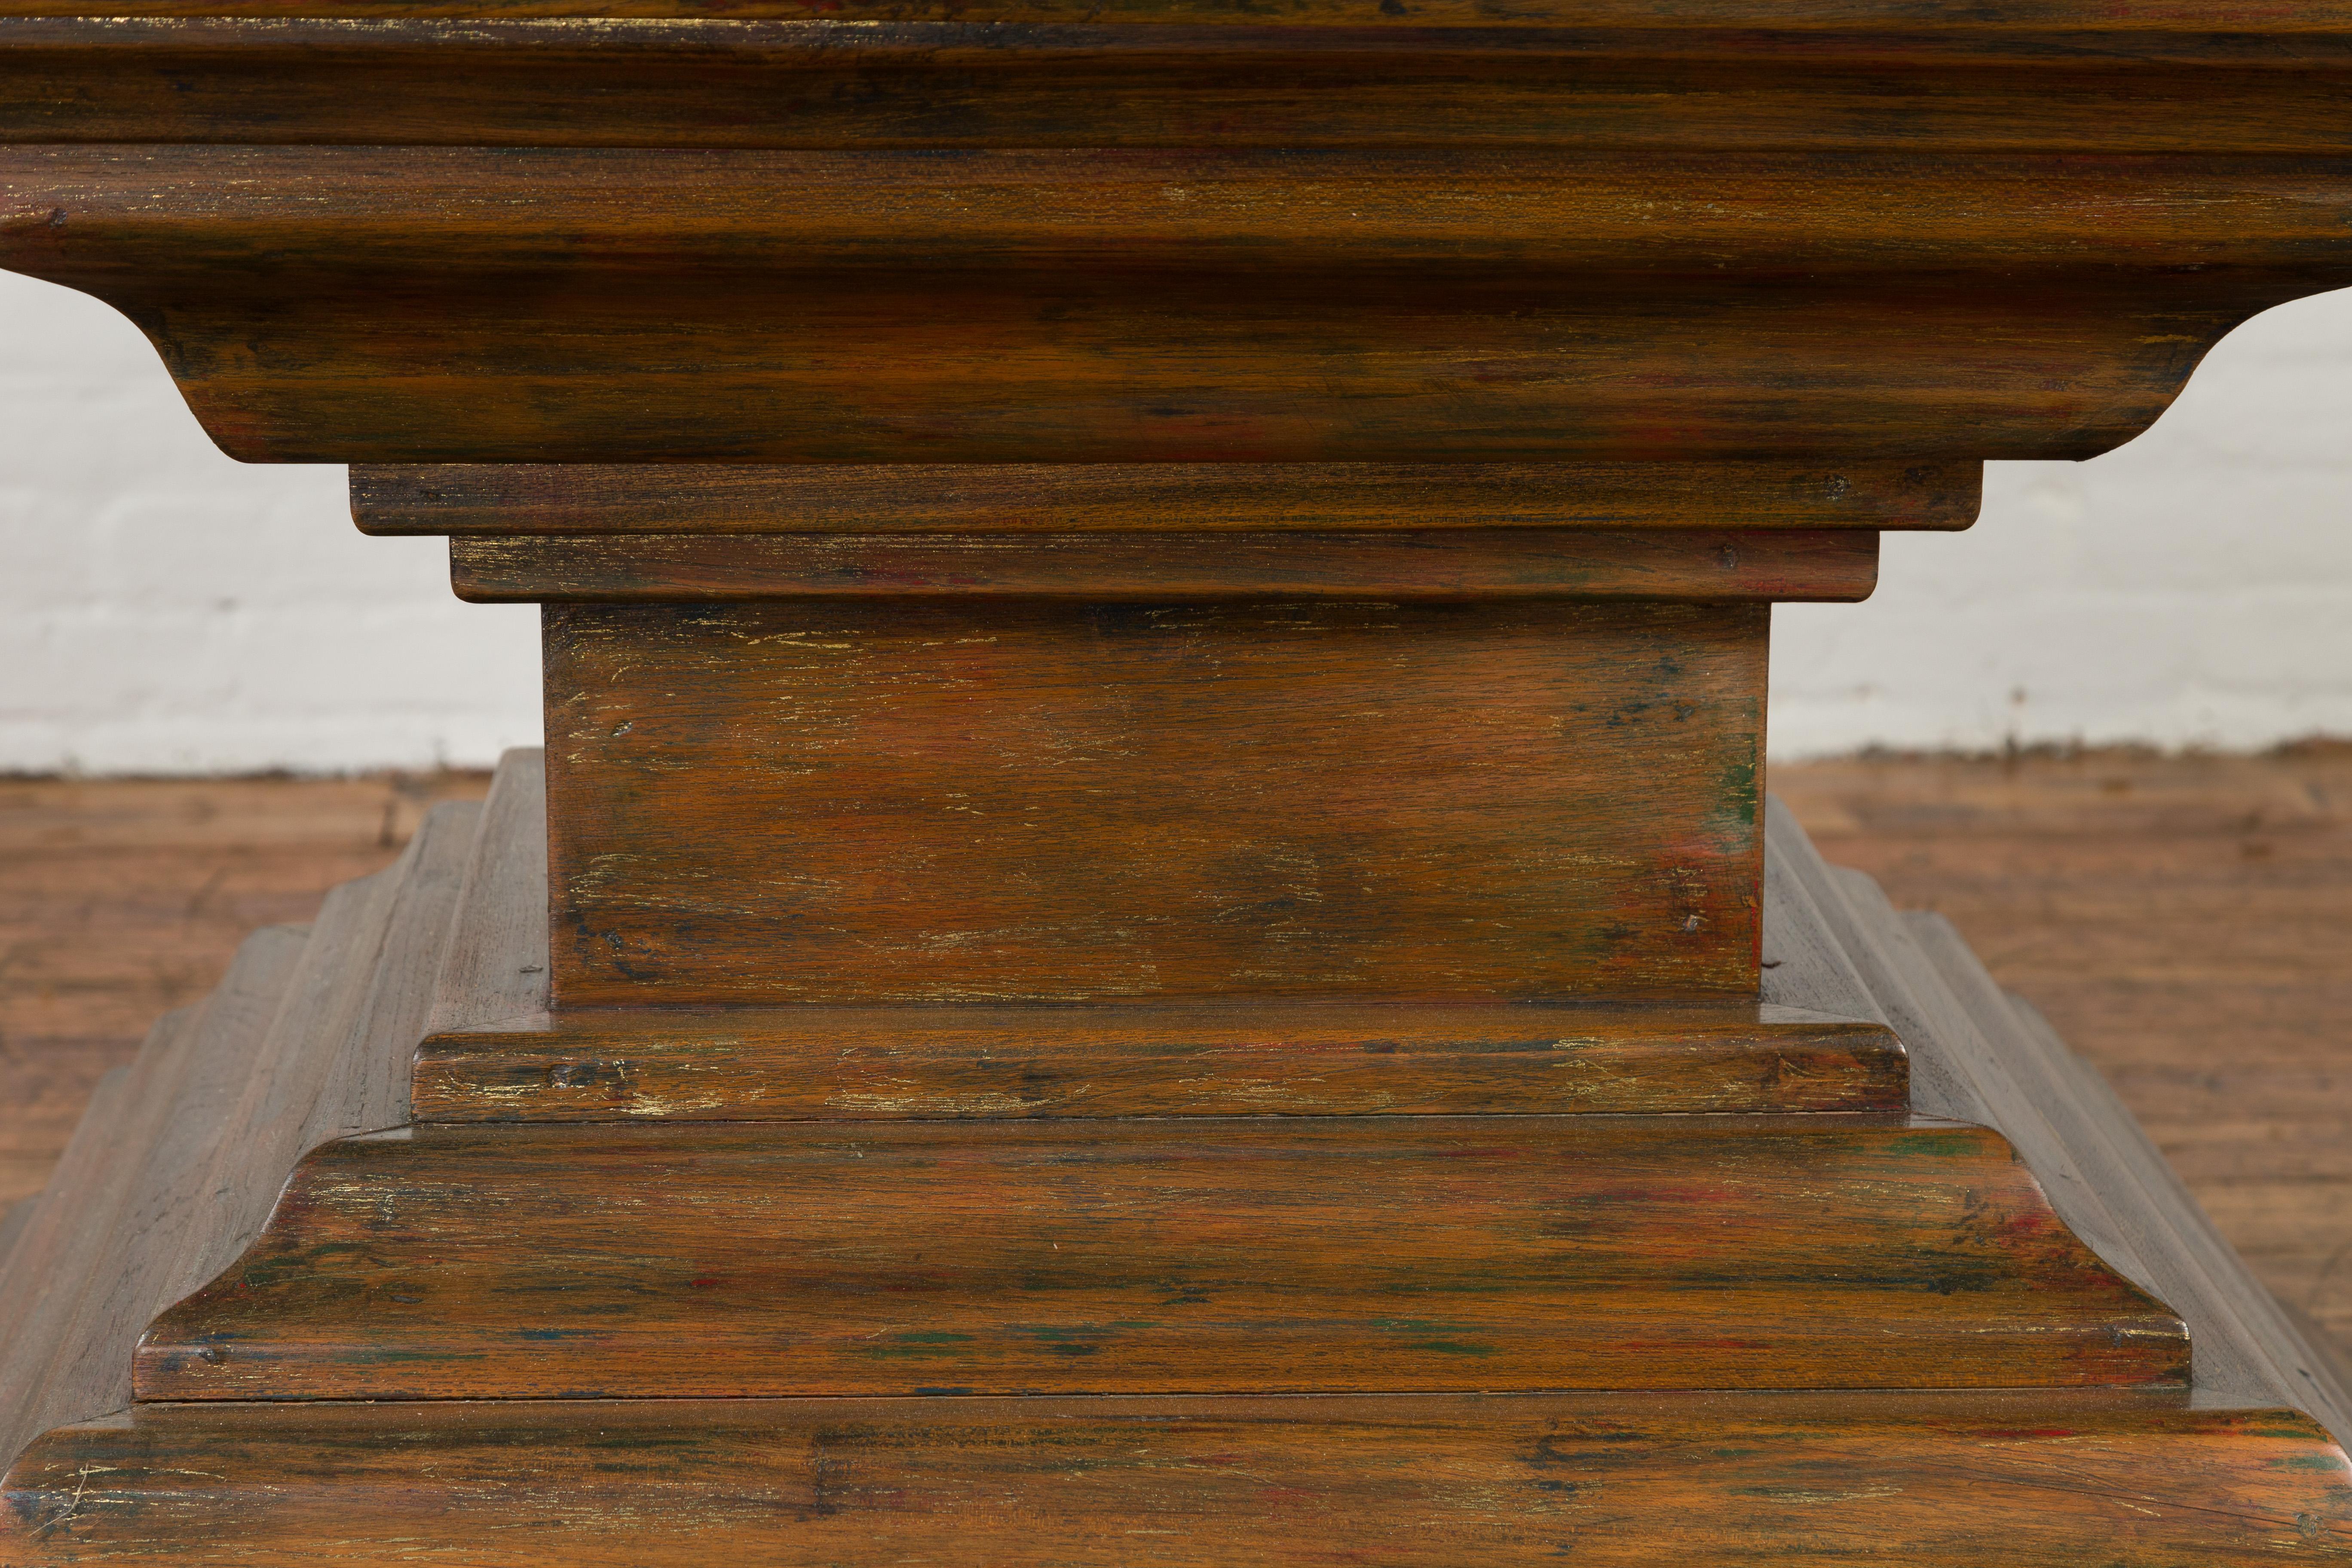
(1791, 238)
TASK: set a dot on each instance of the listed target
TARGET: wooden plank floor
(2182, 921)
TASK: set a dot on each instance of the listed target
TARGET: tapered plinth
(1066, 1336)
(1210, 1255)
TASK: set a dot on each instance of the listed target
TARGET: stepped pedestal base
(1164, 946)
(1919, 1479)
(1902, 1282)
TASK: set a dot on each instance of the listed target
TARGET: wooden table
(1148, 932)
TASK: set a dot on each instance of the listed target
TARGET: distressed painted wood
(1219, 1059)
(895, 801)
(1487, 564)
(1234, 1256)
(371, 304)
(1916, 1473)
(1200, 76)
(1929, 1480)
(2255, 28)
(531, 500)
(1542, 348)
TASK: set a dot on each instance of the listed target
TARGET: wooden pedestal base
(1045, 1285)
(1921, 1479)
(1152, 938)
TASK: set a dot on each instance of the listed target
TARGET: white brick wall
(2193, 587)
(164, 609)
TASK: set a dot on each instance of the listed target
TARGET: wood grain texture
(583, 305)
(43, 1274)
(1249, 1255)
(2017, 1092)
(1252, 1058)
(2117, 1157)
(367, 1086)
(1975, 1052)
(895, 800)
(1432, 791)
(1690, 567)
(12, 1223)
(2256, 27)
(494, 965)
(2132, 1481)
(572, 499)
(1961, 1073)
(129, 1259)
(1253, 77)
(2155, 908)
(364, 984)
(1597, 219)
(308, 1036)
(1929, 1480)
(313, 1044)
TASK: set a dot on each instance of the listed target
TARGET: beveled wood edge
(519, 499)
(308, 1038)
(1746, 21)
(1813, 940)
(495, 963)
(1832, 941)
(1950, 1480)
(2333, 1364)
(1898, 1405)
(367, 1088)
(135, 1268)
(1666, 565)
(69, 1204)
(747, 26)
(2080, 1326)
(1188, 1056)
(2313, 1365)
(1826, 980)
(12, 1226)
(1239, 1015)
